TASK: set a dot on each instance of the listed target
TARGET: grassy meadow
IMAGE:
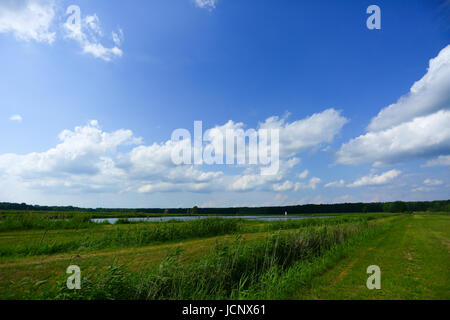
(314, 258)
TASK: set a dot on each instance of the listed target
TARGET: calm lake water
(187, 218)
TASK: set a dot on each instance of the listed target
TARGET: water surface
(188, 218)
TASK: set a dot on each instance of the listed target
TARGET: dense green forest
(397, 206)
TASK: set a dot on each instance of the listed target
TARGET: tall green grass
(31, 222)
(228, 272)
(128, 236)
(70, 214)
(136, 235)
(279, 283)
(301, 223)
(139, 235)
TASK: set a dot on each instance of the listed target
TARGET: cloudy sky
(87, 110)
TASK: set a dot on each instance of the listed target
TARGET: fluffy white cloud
(312, 184)
(87, 32)
(433, 182)
(339, 183)
(99, 51)
(82, 161)
(289, 185)
(118, 37)
(216, 138)
(373, 179)
(414, 127)
(173, 187)
(439, 161)
(28, 19)
(35, 20)
(251, 179)
(154, 162)
(207, 4)
(428, 95)
(88, 159)
(285, 186)
(304, 174)
(301, 134)
(430, 185)
(421, 137)
(294, 137)
(422, 189)
(16, 117)
(82, 151)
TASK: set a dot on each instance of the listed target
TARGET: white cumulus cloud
(373, 179)
(37, 20)
(339, 183)
(251, 179)
(414, 127)
(287, 185)
(87, 32)
(304, 174)
(82, 151)
(16, 117)
(439, 161)
(301, 134)
(312, 184)
(28, 19)
(428, 95)
(433, 182)
(206, 4)
(89, 159)
(421, 137)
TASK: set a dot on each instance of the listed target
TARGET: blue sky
(86, 114)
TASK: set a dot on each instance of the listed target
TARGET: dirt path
(343, 273)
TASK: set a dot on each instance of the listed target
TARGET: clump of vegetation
(128, 236)
(135, 234)
(36, 222)
(122, 221)
(140, 235)
(302, 223)
(231, 269)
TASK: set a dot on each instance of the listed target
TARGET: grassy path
(414, 258)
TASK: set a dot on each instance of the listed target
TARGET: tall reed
(229, 270)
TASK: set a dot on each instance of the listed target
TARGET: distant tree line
(397, 206)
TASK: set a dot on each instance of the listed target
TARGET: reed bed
(127, 236)
(230, 271)
(36, 222)
(137, 235)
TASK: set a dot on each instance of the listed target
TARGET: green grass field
(223, 259)
(414, 258)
